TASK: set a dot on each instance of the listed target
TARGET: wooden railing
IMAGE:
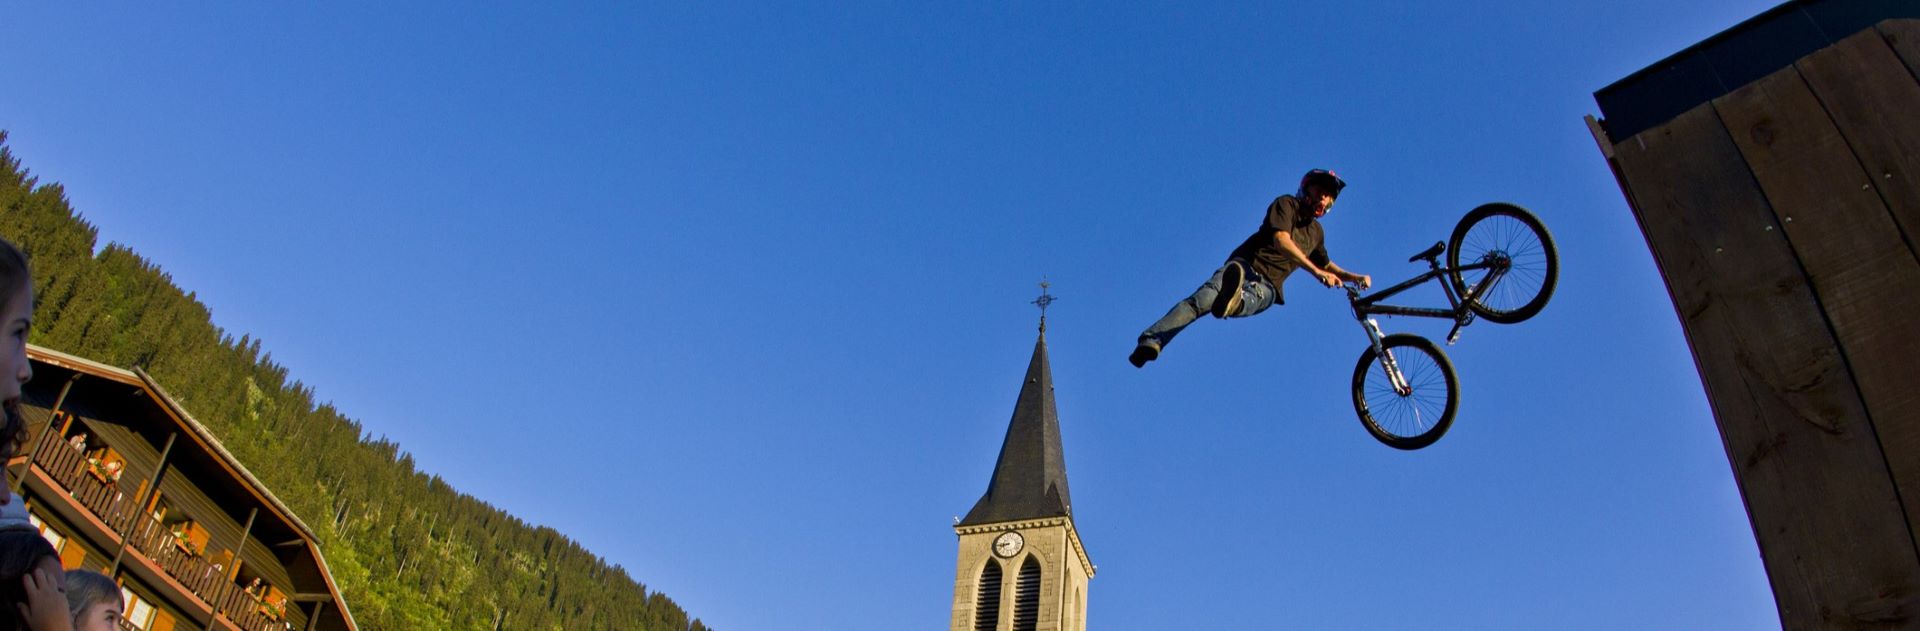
(69, 467)
(192, 570)
(244, 611)
(206, 580)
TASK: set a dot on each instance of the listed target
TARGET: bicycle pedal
(1453, 336)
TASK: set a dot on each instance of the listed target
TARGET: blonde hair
(86, 588)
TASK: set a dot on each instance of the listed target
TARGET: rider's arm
(1283, 241)
(1364, 280)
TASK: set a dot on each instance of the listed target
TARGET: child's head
(14, 277)
(22, 550)
(94, 601)
(16, 316)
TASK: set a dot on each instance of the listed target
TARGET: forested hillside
(409, 551)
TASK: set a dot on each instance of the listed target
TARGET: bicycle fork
(1394, 377)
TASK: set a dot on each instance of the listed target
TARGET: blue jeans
(1255, 296)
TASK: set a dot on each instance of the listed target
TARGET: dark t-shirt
(1264, 259)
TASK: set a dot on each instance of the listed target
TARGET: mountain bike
(1501, 266)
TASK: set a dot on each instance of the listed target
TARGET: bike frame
(1363, 307)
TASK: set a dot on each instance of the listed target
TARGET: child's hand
(46, 606)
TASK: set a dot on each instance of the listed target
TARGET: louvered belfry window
(986, 608)
(1026, 597)
(1073, 610)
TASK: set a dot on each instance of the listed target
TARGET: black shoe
(1147, 351)
(1228, 301)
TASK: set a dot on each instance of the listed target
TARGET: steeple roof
(1030, 478)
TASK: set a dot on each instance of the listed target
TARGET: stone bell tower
(1021, 565)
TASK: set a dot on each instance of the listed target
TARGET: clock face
(1008, 544)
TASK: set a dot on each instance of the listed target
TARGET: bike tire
(1496, 230)
(1412, 421)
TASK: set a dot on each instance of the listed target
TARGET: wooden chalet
(125, 482)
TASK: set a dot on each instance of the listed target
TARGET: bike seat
(1430, 253)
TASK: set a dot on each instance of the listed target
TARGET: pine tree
(409, 551)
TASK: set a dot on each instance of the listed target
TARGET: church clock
(1008, 545)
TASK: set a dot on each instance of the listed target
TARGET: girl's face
(98, 617)
(16, 318)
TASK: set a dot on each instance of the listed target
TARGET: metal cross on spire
(1044, 300)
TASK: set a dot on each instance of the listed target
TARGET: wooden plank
(1903, 35)
(1872, 98)
(1863, 272)
(1816, 486)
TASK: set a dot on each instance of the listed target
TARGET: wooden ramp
(1775, 170)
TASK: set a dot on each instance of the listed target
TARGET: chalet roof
(1030, 477)
(84, 365)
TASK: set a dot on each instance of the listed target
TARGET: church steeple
(1030, 478)
(1021, 565)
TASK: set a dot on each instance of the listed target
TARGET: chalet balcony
(99, 491)
(248, 612)
(180, 561)
(90, 485)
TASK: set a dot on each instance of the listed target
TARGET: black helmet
(1326, 179)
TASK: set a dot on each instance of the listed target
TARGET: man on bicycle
(1249, 282)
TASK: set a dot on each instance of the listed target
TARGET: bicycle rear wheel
(1424, 412)
(1515, 241)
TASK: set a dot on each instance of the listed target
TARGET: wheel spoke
(1412, 415)
(1528, 262)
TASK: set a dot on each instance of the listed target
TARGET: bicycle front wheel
(1524, 263)
(1417, 414)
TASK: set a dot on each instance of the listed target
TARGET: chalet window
(139, 612)
(986, 606)
(70, 551)
(267, 600)
(103, 462)
(189, 536)
(221, 561)
(263, 597)
(1026, 597)
(52, 536)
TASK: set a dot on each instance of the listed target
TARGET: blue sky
(737, 294)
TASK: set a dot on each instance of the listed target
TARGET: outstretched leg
(1253, 296)
(1182, 314)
